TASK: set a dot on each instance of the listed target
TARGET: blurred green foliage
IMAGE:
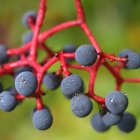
(115, 24)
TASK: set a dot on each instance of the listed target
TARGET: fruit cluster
(29, 74)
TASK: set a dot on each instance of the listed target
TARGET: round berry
(86, 55)
(133, 59)
(72, 85)
(98, 124)
(3, 54)
(111, 119)
(12, 90)
(42, 119)
(22, 69)
(1, 88)
(26, 83)
(128, 123)
(116, 102)
(81, 105)
(27, 37)
(70, 48)
(27, 15)
(51, 81)
(7, 101)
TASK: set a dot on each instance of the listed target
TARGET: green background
(115, 24)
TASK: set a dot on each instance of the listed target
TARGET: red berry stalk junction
(29, 74)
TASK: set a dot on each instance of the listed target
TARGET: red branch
(51, 58)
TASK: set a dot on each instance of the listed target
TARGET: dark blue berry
(111, 119)
(51, 81)
(22, 69)
(70, 48)
(12, 90)
(72, 85)
(133, 59)
(81, 105)
(98, 124)
(27, 15)
(26, 83)
(116, 102)
(42, 119)
(7, 101)
(86, 55)
(27, 37)
(3, 54)
(128, 123)
(1, 88)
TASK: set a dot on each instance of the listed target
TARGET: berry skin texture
(98, 124)
(72, 85)
(81, 105)
(51, 81)
(86, 55)
(116, 102)
(128, 123)
(27, 15)
(7, 101)
(42, 119)
(26, 83)
(27, 37)
(111, 119)
(3, 54)
(133, 61)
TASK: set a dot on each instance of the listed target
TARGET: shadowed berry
(27, 37)
(26, 83)
(51, 81)
(116, 102)
(86, 55)
(7, 101)
(111, 119)
(27, 15)
(81, 105)
(133, 59)
(42, 119)
(72, 85)
(98, 124)
(128, 123)
(3, 54)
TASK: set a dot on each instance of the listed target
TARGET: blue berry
(27, 37)
(128, 123)
(133, 59)
(22, 69)
(3, 54)
(111, 119)
(7, 101)
(86, 55)
(116, 102)
(27, 15)
(12, 90)
(1, 88)
(26, 83)
(42, 119)
(51, 81)
(70, 48)
(98, 124)
(124, 53)
(72, 85)
(81, 105)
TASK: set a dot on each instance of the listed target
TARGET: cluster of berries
(30, 74)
